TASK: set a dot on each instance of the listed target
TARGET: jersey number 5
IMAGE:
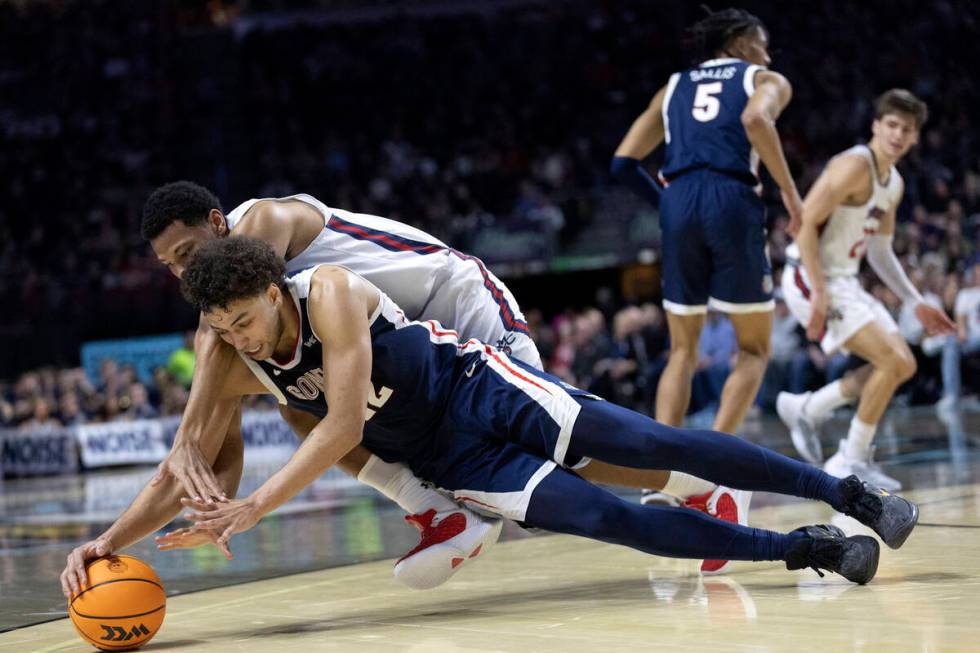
(706, 105)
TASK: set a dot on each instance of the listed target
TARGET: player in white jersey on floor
(850, 211)
(430, 280)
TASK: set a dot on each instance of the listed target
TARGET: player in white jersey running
(850, 212)
(430, 280)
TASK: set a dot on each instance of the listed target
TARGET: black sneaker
(826, 547)
(889, 515)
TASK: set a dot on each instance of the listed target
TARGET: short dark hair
(716, 31)
(182, 201)
(225, 270)
(899, 100)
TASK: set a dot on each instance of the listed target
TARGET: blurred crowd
(617, 352)
(470, 121)
(50, 398)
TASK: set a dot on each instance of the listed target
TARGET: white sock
(823, 402)
(683, 485)
(399, 484)
(859, 438)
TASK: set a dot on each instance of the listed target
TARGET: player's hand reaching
(187, 464)
(818, 316)
(935, 321)
(74, 577)
(225, 519)
(794, 207)
(188, 538)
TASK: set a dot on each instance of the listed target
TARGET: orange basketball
(122, 606)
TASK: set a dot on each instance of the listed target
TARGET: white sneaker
(804, 431)
(450, 539)
(658, 498)
(866, 469)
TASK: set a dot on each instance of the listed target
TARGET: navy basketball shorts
(507, 426)
(714, 246)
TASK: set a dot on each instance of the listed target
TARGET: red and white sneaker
(723, 503)
(450, 539)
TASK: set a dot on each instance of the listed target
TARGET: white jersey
(844, 236)
(428, 279)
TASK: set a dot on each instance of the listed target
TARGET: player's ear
(275, 294)
(216, 220)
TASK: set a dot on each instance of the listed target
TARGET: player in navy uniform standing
(717, 120)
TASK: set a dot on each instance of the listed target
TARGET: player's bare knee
(898, 365)
(686, 357)
(755, 351)
(906, 366)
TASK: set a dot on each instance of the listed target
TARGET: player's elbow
(754, 122)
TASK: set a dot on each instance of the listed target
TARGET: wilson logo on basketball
(117, 566)
(118, 634)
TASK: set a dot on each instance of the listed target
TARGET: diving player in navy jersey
(717, 121)
(498, 433)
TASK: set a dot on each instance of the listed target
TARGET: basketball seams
(122, 616)
(116, 580)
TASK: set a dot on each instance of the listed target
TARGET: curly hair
(226, 270)
(716, 31)
(182, 201)
(899, 100)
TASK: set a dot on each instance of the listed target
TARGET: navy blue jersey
(414, 369)
(702, 114)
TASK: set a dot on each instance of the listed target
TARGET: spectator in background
(966, 341)
(70, 409)
(135, 403)
(172, 395)
(181, 362)
(41, 418)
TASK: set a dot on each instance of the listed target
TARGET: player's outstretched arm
(643, 137)
(844, 176)
(772, 94)
(198, 440)
(196, 444)
(153, 508)
(339, 305)
(881, 257)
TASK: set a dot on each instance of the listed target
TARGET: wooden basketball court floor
(560, 593)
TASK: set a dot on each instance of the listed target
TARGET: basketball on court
(123, 605)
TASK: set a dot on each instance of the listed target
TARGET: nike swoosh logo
(470, 371)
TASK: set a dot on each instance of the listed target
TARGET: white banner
(23, 453)
(121, 443)
(267, 438)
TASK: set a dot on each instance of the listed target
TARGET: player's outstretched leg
(565, 503)
(617, 435)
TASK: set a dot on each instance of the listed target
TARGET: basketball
(123, 605)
